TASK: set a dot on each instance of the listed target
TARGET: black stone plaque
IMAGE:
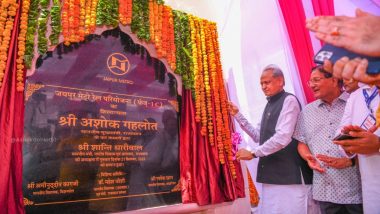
(101, 129)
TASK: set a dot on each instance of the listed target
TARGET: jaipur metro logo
(118, 64)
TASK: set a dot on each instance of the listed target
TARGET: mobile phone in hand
(334, 53)
(343, 137)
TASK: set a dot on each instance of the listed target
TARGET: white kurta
(292, 199)
(355, 113)
(287, 199)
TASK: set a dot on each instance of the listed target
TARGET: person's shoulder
(291, 97)
(357, 93)
(311, 106)
(291, 101)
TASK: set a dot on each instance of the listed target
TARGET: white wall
(347, 7)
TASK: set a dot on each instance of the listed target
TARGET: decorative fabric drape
(11, 133)
(294, 17)
(323, 8)
(203, 179)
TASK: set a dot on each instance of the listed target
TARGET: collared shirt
(284, 128)
(355, 113)
(316, 127)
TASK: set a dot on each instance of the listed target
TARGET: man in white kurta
(285, 177)
(360, 111)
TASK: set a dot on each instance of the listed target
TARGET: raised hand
(233, 109)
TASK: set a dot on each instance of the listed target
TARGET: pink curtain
(323, 7)
(11, 133)
(294, 17)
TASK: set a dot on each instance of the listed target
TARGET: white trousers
(283, 199)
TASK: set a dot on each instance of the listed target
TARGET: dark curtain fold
(203, 179)
(11, 133)
(294, 17)
(186, 139)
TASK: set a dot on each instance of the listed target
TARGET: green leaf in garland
(44, 3)
(42, 39)
(31, 31)
(182, 39)
(140, 19)
(55, 22)
(107, 13)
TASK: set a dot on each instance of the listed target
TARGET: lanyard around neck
(368, 99)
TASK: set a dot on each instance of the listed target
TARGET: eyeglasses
(315, 81)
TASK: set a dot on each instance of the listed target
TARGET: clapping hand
(314, 164)
(338, 163)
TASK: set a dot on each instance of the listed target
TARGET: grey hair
(276, 71)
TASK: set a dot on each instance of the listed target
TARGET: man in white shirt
(359, 121)
(350, 85)
(336, 180)
(284, 175)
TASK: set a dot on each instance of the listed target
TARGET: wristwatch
(253, 155)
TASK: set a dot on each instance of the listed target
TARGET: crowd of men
(331, 146)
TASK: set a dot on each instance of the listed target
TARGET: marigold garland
(195, 67)
(215, 92)
(253, 194)
(123, 10)
(87, 17)
(152, 13)
(164, 29)
(219, 113)
(210, 96)
(71, 21)
(206, 60)
(94, 6)
(21, 45)
(74, 20)
(129, 12)
(223, 98)
(157, 29)
(8, 11)
(200, 79)
(82, 20)
(223, 104)
(170, 44)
